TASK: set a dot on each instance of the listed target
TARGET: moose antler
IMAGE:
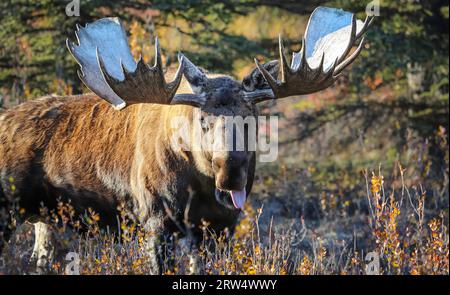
(330, 35)
(109, 69)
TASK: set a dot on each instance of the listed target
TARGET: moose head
(109, 69)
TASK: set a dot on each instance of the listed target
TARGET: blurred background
(387, 114)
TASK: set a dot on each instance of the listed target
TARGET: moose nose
(231, 172)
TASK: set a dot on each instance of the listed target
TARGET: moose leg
(194, 263)
(5, 221)
(190, 246)
(44, 249)
(154, 229)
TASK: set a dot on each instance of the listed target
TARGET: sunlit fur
(80, 148)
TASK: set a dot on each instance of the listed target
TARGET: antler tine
(329, 75)
(350, 59)
(158, 61)
(173, 86)
(304, 68)
(319, 70)
(284, 65)
(367, 22)
(272, 82)
(351, 40)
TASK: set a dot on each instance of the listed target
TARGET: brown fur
(80, 148)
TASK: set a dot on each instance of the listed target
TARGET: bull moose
(115, 145)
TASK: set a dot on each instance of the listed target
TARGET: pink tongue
(238, 198)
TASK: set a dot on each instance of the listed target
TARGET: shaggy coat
(79, 148)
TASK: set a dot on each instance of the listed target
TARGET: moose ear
(255, 80)
(195, 76)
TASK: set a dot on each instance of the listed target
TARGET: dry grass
(397, 227)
